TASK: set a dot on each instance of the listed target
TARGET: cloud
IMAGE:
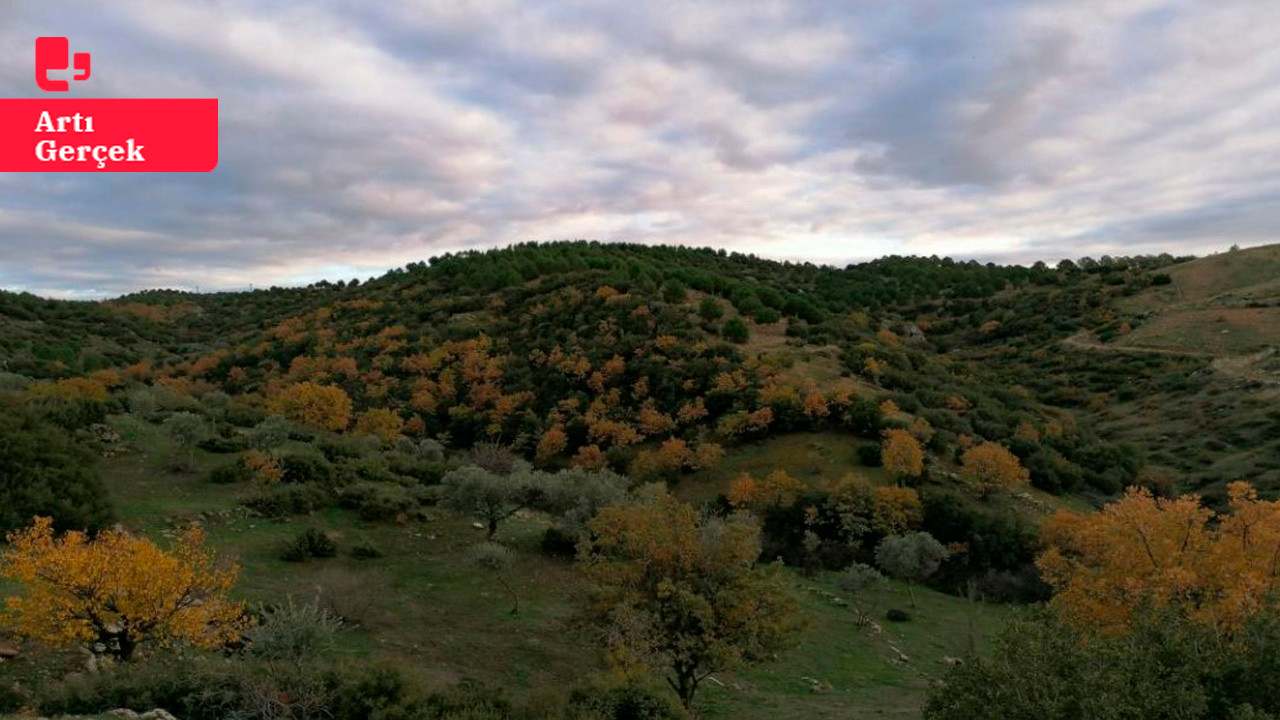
(358, 137)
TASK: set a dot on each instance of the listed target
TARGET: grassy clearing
(812, 456)
(840, 670)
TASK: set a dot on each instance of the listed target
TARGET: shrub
(623, 702)
(231, 473)
(280, 501)
(364, 549)
(306, 469)
(222, 445)
(293, 632)
(897, 615)
(45, 473)
(11, 698)
(735, 331)
(558, 542)
(310, 543)
(869, 455)
(381, 501)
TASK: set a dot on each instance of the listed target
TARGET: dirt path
(1243, 367)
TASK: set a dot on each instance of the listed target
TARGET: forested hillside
(572, 430)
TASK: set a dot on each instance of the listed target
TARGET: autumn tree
(381, 423)
(992, 467)
(321, 406)
(681, 593)
(1175, 554)
(119, 590)
(902, 455)
(912, 558)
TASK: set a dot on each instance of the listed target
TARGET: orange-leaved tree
(990, 467)
(902, 455)
(119, 590)
(1172, 554)
(681, 593)
(321, 406)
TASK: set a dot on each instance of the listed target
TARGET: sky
(360, 136)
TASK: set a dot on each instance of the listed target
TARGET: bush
(231, 473)
(869, 455)
(222, 445)
(625, 702)
(306, 469)
(44, 472)
(189, 688)
(281, 501)
(364, 549)
(381, 501)
(897, 615)
(559, 542)
(310, 543)
(11, 698)
(735, 331)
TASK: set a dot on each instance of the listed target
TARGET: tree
(902, 455)
(44, 472)
(269, 434)
(498, 561)
(735, 330)
(490, 496)
(321, 406)
(991, 467)
(381, 423)
(912, 558)
(119, 590)
(1165, 667)
(1173, 554)
(681, 593)
(709, 309)
(187, 430)
(856, 580)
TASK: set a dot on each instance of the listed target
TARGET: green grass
(810, 456)
(841, 670)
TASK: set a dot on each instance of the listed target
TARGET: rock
(952, 661)
(156, 714)
(478, 526)
(8, 652)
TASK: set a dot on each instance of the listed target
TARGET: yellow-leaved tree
(681, 593)
(118, 590)
(992, 467)
(384, 424)
(1174, 554)
(901, 454)
(320, 406)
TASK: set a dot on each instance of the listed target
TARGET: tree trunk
(493, 527)
(685, 685)
(515, 599)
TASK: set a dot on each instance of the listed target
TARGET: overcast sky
(361, 136)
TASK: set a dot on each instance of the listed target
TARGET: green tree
(913, 558)
(44, 472)
(735, 330)
(488, 495)
(187, 430)
(1164, 667)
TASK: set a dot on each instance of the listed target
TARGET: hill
(739, 384)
